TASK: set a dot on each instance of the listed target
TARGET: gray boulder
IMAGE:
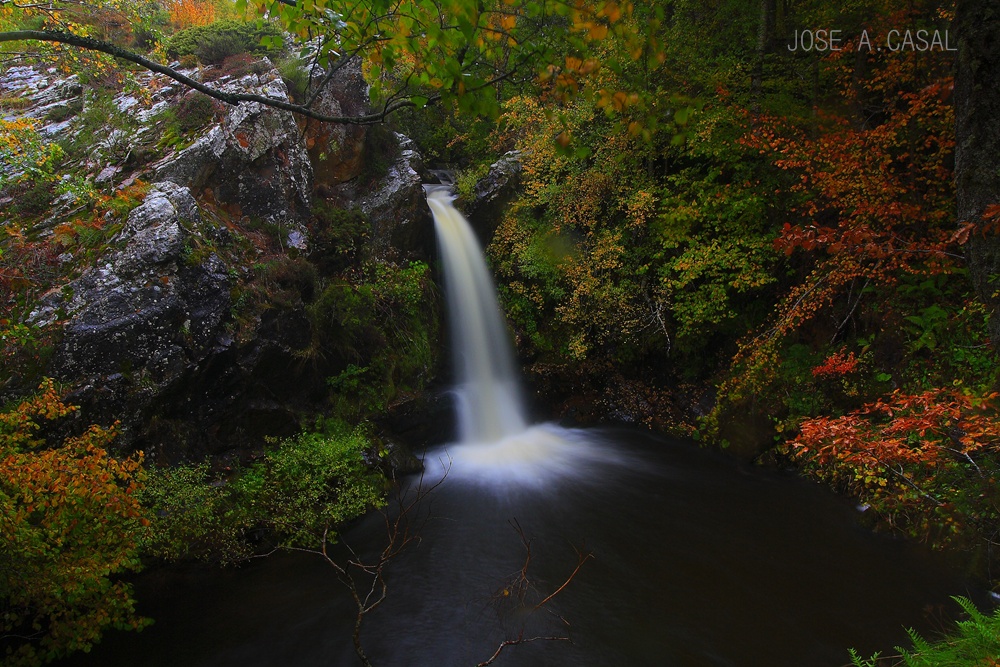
(397, 207)
(492, 193)
(140, 321)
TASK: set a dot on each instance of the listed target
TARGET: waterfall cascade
(497, 447)
(490, 406)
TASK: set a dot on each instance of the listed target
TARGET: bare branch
(514, 642)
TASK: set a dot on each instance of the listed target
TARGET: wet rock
(421, 421)
(492, 193)
(393, 458)
(498, 184)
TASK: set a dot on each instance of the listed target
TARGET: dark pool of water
(697, 562)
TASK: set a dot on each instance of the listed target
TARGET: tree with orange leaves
(70, 522)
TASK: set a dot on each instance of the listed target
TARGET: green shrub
(194, 516)
(194, 112)
(310, 483)
(296, 77)
(292, 495)
(217, 41)
(381, 150)
(338, 236)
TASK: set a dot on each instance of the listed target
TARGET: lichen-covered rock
(492, 193)
(145, 316)
(255, 161)
(148, 338)
(499, 182)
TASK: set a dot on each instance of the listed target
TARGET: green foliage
(194, 516)
(27, 157)
(215, 42)
(338, 236)
(294, 493)
(310, 484)
(974, 643)
(178, 126)
(113, 128)
(385, 327)
(419, 51)
(465, 182)
(294, 72)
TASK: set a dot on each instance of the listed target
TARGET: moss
(384, 328)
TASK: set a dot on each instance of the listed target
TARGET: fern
(974, 643)
(858, 661)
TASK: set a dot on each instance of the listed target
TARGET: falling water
(497, 448)
(490, 406)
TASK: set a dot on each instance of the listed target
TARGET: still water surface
(697, 562)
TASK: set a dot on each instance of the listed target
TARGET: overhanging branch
(228, 98)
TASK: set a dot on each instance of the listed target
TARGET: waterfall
(490, 405)
(497, 449)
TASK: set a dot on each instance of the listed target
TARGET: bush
(296, 77)
(311, 483)
(70, 522)
(296, 491)
(194, 516)
(217, 41)
(194, 112)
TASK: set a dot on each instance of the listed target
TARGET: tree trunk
(765, 32)
(977, 149)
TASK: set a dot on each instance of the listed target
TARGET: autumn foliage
(875, 199)
(69, 523)
(925, 463)
(190, 13)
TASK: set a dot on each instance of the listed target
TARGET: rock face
(337, 151)
(255, 161)
(146, 316)
(491, 194)
(397, 207)
(148, 340)
(183, 330)
(498, 184)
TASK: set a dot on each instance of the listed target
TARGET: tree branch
(228, 98)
